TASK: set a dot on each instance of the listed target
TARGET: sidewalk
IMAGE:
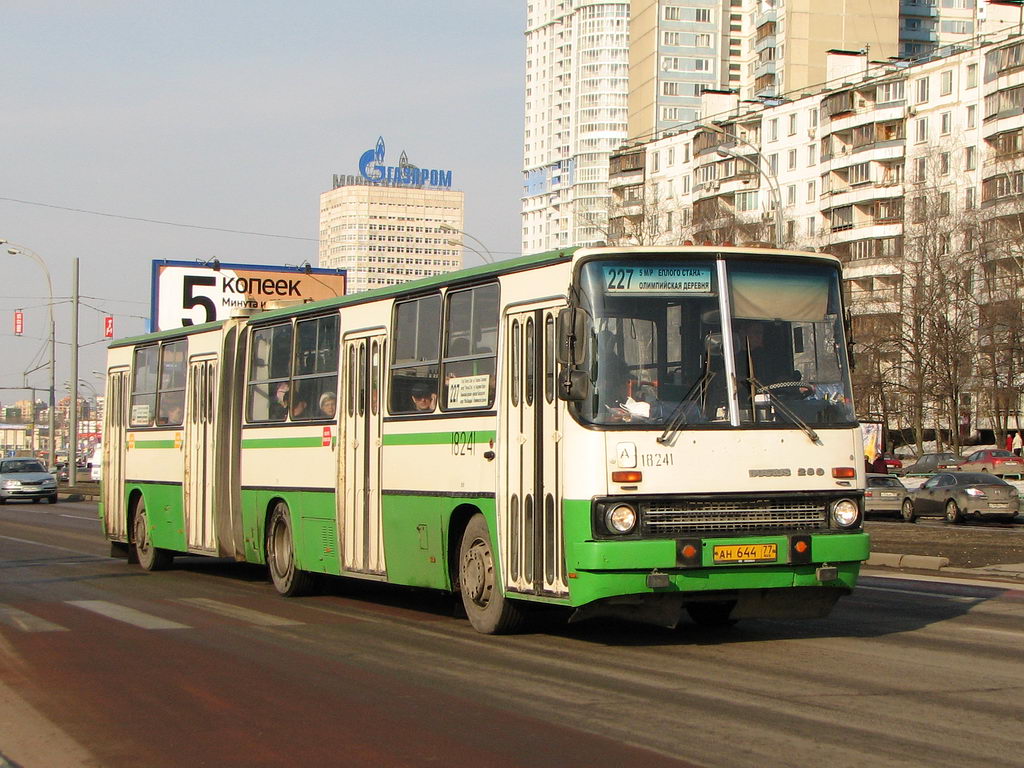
(1013, 572)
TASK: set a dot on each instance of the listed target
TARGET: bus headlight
(845, 513)
(620, 519)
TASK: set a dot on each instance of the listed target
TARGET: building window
(946, 83)
(791, 194)
(971, 115)
(810, 193)
(970, 158)
(673, 13)
(773, 129)
(702, 40)
(921, 129)
(791, 160)
(970, 198)
(746, 201)
(702, 15)
(792, 124)
(922, 90)
(945, 123)
(670, 38)
(944, 163)
(972, 75)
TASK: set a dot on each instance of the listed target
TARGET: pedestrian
(1017, 443)
(1009, 441)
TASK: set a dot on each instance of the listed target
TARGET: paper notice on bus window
(656, 279)
(140, 415)
(469, 391)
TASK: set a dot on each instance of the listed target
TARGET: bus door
(200, 476)
(533, 547)
(359, 456)
(114, 446)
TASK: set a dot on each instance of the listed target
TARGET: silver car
(26, 479)
(884, 494)
(957, 495)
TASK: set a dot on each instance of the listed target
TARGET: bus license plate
(746, 553)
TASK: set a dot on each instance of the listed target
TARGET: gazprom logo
(373, 168)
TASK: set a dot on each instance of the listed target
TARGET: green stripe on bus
(283, 442)
(156, 444)
(440, 438)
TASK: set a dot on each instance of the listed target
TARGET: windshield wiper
(760, 389)
(698, 390)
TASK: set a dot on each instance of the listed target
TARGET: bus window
(269, 373)
(470, 333)
(315, 374)
(144, 387)
(171, 398)
(414, 364)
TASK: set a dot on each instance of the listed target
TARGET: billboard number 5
(189, 300)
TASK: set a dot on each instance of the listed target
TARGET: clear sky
(229, 115)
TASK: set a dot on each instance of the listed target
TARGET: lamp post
(773, 184)
(489, 258)
(15, 250)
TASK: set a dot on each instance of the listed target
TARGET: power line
(157, 221)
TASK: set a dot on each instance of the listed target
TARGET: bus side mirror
(573, 384)
(571, 333)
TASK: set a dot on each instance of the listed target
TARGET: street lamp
(773, 183)
(489, 258)
(15, 250)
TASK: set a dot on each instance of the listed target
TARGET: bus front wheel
(280, 548)
(487, 608)
(150, 558)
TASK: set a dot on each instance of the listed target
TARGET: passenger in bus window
(328, 405)
(423, 397)
(279, 405)
(300, 408)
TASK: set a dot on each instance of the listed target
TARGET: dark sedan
(957, 495)
(931, 462)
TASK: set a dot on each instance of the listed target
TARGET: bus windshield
(668, 347)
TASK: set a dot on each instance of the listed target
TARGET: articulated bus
(630, 432)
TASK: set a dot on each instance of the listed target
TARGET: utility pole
(73, 412)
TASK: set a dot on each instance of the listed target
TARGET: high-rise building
(757, 48)
(577, 83)
(390, 224)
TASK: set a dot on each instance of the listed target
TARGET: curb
(921, 562)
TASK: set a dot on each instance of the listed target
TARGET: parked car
(994, 460)
(884, 494)
(956, 495)
(26, 479)
(931, 462)
(892, 463)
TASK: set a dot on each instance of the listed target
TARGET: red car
(891, 462)
(993, 460)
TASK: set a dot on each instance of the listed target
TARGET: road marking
(126, 614)
(955, 598)
(26, 622)
(236, 612)
(79, 517)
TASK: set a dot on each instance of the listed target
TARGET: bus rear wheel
(280, 549)
(150, 558)
(487, 608)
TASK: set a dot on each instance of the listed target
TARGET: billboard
(191, 293)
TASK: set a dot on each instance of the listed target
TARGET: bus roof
(506, 266)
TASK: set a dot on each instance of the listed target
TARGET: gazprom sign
(374, 170)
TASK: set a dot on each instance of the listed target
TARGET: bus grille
(732, 516)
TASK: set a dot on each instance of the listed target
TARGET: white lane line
(80, 517)
(126, 614)
(237, 612)
(26, 622)
(41, 544)
(915, 593)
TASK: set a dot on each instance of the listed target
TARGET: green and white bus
(635, 432)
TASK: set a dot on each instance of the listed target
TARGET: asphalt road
(102, 664)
